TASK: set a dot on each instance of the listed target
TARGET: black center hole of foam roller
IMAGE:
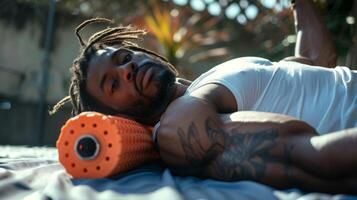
(86, 147)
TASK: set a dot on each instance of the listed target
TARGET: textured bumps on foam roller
(93, 145)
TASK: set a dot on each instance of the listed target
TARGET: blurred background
(38, 46)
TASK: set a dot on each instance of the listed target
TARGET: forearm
(263, 147)
(284, 153)
(238, 146)
(339, 149)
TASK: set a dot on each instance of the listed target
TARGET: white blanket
(35, 173)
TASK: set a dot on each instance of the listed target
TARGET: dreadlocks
(123, 36)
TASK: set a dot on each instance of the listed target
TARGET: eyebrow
(112, 55)
(115, 53)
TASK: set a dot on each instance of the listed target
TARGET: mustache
(145, 66)
(149, 108)
(149, 64)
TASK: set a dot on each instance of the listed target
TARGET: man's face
(135, 84)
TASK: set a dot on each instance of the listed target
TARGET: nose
(127, 71)
(139, 58)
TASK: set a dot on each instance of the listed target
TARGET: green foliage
(268, 31)
(185, 36)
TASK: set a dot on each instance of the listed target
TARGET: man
(207, 128)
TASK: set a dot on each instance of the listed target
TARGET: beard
(148, 109)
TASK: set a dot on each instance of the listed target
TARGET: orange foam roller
(93, 145)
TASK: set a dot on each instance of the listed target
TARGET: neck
(180, 88)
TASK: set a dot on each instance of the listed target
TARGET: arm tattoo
(195, 154)
(232, 155)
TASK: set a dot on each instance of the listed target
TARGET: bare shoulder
(185, 106)
(182, 112)
(206, 100)
(183, 118)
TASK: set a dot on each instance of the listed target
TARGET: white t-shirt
(325, 98)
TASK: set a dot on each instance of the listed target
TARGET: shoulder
(209, 99)
(184, 109)
(233, 67)
(240, 65)
(168, 140)
(184, 115)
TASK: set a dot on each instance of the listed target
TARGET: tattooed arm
(268, 148)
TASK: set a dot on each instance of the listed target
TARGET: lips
(142, 76)
(147, 77)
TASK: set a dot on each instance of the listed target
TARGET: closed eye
(114, 84)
